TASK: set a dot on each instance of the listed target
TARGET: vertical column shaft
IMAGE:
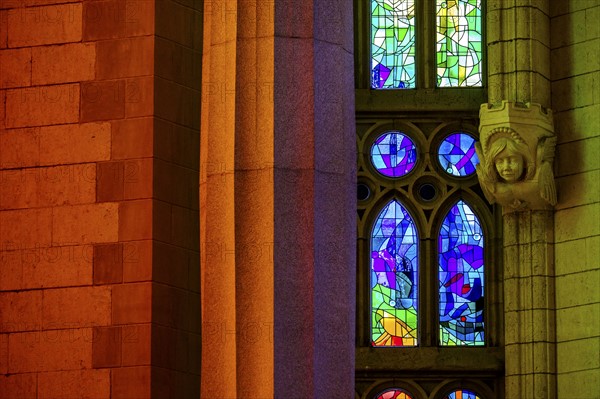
(254, 201)
(530, 332)
(519, 72)
(278, 200)
(218, 271)
(518, 43)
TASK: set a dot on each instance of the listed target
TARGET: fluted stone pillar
(519, 81)
(278, 200)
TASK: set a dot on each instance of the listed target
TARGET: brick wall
(99, 153)
(576, 103)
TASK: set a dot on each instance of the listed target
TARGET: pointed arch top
(394, 272)
(461, 277)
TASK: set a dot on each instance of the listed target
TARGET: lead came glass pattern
(394, 265)
(392, 44)
(459, 43)
(393, 154)
(462, 394)
(394, 393)
(457, 154)
(460, 246)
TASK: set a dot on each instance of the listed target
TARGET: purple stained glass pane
(394, 269)
(461, 278)
(394, 154)
(457, 154)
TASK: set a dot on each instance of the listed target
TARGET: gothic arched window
(424, 240)
(394, 272)
(461, 277)
(428, 278)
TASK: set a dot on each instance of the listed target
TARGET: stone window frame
(430, 367)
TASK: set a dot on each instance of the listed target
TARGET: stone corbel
(516, 154)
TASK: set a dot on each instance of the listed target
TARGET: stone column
(518, 38)
(524, 131)
(217, 199)
(278, 200)
(519, 80)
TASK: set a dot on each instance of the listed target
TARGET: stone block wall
(575, 49)
(99, 230)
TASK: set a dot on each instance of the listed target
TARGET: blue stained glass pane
(462, 394)
(393, 154)
(457, 154)
(394, 266)
(461, 278)
(392, 44)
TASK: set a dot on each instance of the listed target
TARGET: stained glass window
(394, 265)
(392, 44)
(394, 393)
(457, 154)
(459, 43)
(393, 154)
(460, 256)
(462, 394)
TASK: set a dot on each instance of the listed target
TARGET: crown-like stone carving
(516, 153)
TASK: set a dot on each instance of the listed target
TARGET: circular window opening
(363, 192)
(456, 154)
(393, 154)
(427, 192)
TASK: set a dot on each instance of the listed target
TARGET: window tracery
(426, 319)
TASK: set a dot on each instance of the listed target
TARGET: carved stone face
(509, 165)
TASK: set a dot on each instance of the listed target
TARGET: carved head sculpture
(510, 175)
(516, 154)
(509, 158)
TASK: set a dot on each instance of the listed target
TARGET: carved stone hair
(505, 137)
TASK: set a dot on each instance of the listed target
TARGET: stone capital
(516, 151)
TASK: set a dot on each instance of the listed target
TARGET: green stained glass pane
(392, 44)
(459, 43)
